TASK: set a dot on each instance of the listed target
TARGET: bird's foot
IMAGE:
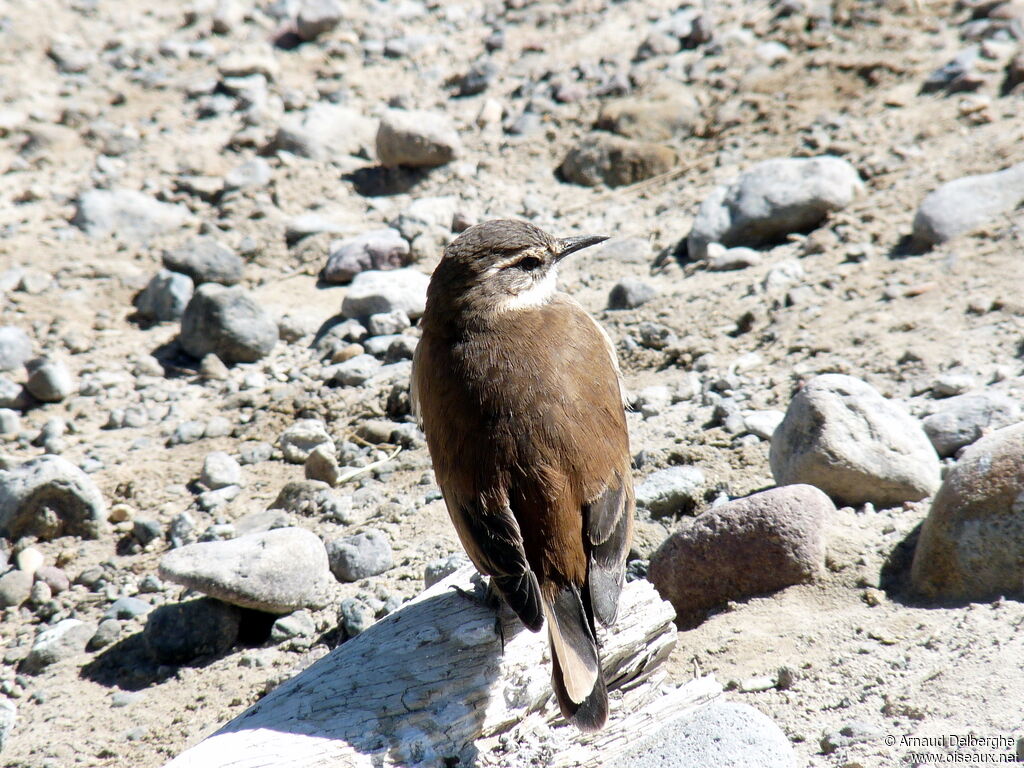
(487, 595)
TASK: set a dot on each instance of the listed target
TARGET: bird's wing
(604, 473)
(493, 541)
(610, 349)
(609, 528)
(414, 390)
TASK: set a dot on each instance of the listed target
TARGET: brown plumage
(518, 392)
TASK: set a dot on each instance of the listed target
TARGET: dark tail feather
(589, 715)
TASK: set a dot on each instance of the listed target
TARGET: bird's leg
(488, 596)
(481, 592)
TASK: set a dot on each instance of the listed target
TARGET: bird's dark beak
(569, 245)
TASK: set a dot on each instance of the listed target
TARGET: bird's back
(503, 408)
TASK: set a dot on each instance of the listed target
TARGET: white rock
(771, 200)
(840, 435)
(299, 440)
(965, 204)
(29, 560)
(220, 470)
(374, 292)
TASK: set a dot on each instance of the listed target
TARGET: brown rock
(657, 118)
(750, 546)
(972, 543)
(417, 139)
(602, 158)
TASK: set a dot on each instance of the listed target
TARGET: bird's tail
(575, 662)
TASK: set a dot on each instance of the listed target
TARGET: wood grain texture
(431, 682)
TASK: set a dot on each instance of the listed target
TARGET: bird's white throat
(537, 295)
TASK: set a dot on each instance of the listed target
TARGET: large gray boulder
(971, 545)
(278, 571)
(840, 435)
(771, 200)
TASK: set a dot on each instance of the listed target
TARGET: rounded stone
(205, 261)
(375, 292)
(724, 733)
(960, 420)
(416, 138)
(751, 546)
(772, 199)
(671, 491)
(840, 435)
(379, 249)
(220, 470)
(278, 571)
(361, 556)
(629, 293)
(301, 438)
(15, 588)
(971, 545)
(15, 348)
(49, 380)
(165, 296)
(227, 322)
(61, 641)
(49, 497)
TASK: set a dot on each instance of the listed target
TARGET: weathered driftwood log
(431, 685)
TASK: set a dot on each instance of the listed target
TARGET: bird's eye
(528, 264)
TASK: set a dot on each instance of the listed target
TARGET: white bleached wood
(430, 683)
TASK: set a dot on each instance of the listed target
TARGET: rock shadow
(908, 247)
(131, 665)
(378, 181)
(175, 361)
(128, 665)
(326, 326)
(894, 577)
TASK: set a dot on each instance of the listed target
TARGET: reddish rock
(972, 542)
(746, 547)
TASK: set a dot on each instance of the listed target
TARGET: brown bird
(519, 395)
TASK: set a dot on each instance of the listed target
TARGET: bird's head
(499, 266)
